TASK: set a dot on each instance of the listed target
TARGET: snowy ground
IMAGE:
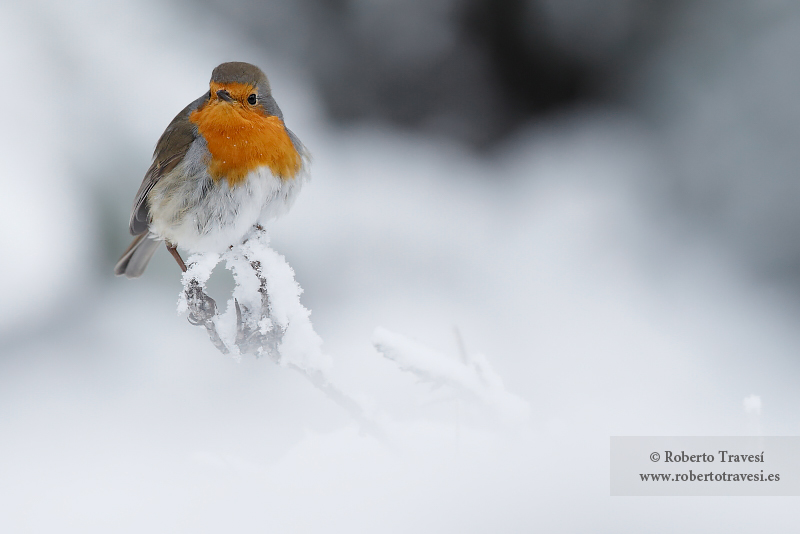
(602, 313)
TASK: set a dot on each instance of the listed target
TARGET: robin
(225, 164)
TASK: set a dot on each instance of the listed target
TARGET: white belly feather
(188, 209)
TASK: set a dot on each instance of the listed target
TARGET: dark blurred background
(472, 70)
(715, 80)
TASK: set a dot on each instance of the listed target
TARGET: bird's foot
(202, 310)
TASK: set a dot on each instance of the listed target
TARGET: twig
(259, 329)
(471, 376)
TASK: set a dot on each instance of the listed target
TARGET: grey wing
(140, 215)
(170, 150)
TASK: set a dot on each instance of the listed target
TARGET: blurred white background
(601, 196)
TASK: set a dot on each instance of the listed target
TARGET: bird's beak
(224, 95)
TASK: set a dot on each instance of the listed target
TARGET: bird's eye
(252, 99)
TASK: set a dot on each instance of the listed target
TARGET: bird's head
(243, 125)
(242, 85)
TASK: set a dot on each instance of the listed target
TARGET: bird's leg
(174, 251)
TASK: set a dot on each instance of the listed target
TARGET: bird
(225, 164)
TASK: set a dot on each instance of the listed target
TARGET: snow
(473, 375)
(597, 316)
(199, 268)
(752, 404)
(250, 262)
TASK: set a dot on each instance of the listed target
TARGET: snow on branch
(264, 317)
(472, 375)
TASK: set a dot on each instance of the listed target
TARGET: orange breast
(242, 139)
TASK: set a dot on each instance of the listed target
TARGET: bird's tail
(137, 256)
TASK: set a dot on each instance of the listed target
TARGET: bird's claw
(250, 339)
(253, 340)
(202, 310)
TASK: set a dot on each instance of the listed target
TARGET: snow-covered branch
(264, 317)
(472, 375)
